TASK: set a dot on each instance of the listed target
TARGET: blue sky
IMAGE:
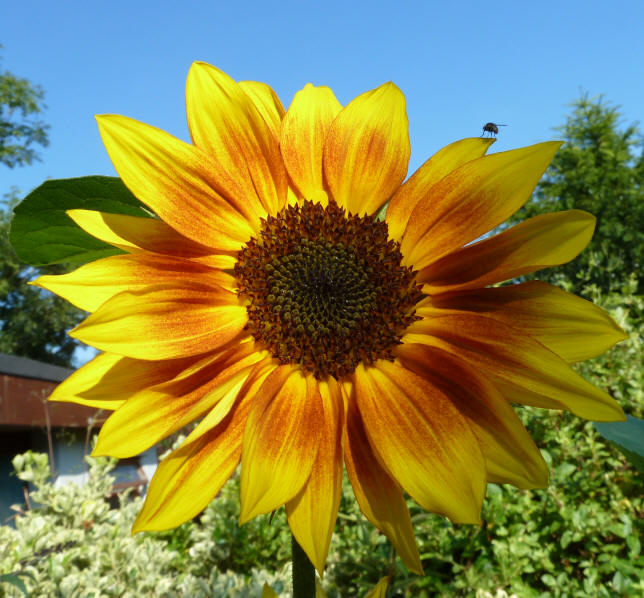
(459, 65)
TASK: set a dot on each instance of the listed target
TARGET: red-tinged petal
(253, 383)
(313, 511)
(281, 441)
(472, 200)
(176, 180)
(191, 476)
(160, 410)
(226, 124)
(571, 327)
(537, 243)
(521, 368)
(304, 130)
(91, 285)
(164, 322)
(423, 440)
(267, 103)
(510, 454)
(367, 150)
(379, 496)
(140, 235)
(419, 185)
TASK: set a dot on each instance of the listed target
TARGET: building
(28, 421)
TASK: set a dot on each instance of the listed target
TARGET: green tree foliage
(20, 129)
(33, 322)
(600, 169)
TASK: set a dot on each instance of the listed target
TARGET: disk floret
(326, 290)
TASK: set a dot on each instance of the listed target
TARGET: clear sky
(460, 64)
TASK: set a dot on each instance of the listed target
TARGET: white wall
(71, 466)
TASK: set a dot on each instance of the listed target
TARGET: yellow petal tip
(137, 527)
(97, 452)
(244, 517)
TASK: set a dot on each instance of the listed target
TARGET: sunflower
(269, 302)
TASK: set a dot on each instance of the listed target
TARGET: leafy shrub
(72, 544)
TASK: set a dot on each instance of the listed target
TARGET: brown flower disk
(326, 290)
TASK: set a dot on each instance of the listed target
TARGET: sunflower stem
(303, 572)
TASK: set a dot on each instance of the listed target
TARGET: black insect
(491, 128)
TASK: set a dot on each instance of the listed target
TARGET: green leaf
(628, 436)
(42, 233)
(14, 580)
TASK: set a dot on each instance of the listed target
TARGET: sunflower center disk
(326, 290)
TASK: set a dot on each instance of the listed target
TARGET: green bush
(73, 545)
(581, 537)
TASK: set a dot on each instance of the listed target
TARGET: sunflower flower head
(267, 302)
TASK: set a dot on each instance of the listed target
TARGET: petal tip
(97, 451)
(244, 517)
(139, 525)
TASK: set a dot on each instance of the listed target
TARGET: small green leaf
(42, 233)
(634, 546)
(566, 538)
(628, 436)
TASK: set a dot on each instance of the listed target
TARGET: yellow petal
(472, 200)
(225, 123)
(313, 511)
(420, 183)
(176, 180)
(281, 441)
(304, 130)
(537, 243)
(192, 475)
(319, 590)
(267, 103)
(379, 590)
(571, 327)
(164, 322)
(109, 380)
(367, 150)
(379, 496)
(86, 378)
(140, 235)
(91, 285)
(522, 369)
(157, 411)
(268, 592)
(510, 454)
(422, 440)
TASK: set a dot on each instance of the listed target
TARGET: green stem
(303, 572)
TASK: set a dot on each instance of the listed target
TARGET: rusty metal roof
(25, 385)
(23, 367)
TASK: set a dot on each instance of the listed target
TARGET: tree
(600, 169)
(20, 129)
(33, 322)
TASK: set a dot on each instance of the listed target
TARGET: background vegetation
(32, 323)
(581, 537)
